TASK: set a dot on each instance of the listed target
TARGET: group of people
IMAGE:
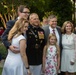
(33, 50)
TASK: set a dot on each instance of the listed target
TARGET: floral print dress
(51, 61)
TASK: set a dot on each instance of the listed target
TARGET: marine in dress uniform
(35, 45)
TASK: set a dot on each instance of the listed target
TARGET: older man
(35, 44)
(53, 28)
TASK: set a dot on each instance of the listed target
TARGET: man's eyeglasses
(26, 12)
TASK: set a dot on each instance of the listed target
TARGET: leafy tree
(62, 8)
(8, 10)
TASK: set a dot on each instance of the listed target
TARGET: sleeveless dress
(51, 61)
(68, 53)
(13, 64)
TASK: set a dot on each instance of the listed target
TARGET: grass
(3, 51)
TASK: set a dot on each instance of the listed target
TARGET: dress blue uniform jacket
(4, 37)
(35, 45)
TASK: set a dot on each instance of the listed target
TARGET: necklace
(68, 38)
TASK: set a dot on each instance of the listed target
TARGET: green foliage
(63, 9)
(6, 5)
(3, 51)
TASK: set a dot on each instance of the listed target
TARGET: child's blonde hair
(48, 42)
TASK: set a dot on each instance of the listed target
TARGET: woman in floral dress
(51, 56)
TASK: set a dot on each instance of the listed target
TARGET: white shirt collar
(51, 28)
(56, 32)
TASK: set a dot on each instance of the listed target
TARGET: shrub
(3, 51)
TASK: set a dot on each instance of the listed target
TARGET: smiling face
(68, 28)
(34, 19)
(52, 40)
(23, 12)
(25, 27)
(53, 22)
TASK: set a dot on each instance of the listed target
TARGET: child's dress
(51, 61)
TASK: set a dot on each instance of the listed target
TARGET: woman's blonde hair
(16, 29)
(48, 42)
(64, 26)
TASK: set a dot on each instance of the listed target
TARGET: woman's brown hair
(64, 26)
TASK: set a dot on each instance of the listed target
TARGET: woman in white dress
(17, 64)
(68, 63)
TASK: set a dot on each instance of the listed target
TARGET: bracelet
(27, 67)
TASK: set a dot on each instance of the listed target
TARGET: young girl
(51, 56)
